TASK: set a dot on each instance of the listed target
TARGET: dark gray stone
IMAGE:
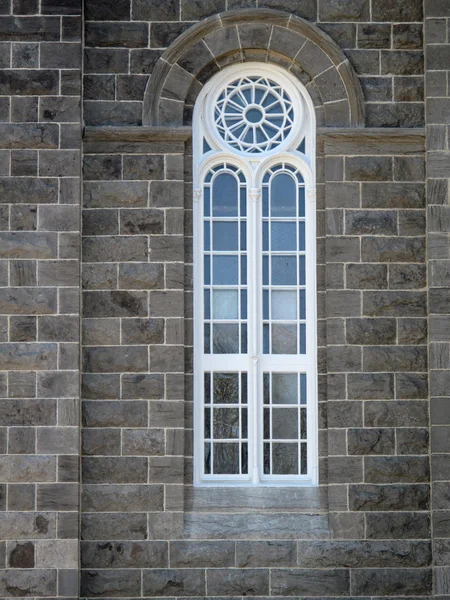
(371, 441)
(170, 582)
(306, 582)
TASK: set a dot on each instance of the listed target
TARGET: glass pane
(285, 459)
(266, 304)
(243, 304)
(225, 423)
(284, 388)
(266, 459)
(285, 423)
(225, 339)
(243, 236)
(267, 424)
(207, 423)
(302, 338)
(243, 270)
(302, 270)
(207, 270)
(206, 295)
(303, 423)
(265, 201)
(265, 236)
(283, 196)
(302, 294)
(301, 202)
(284, 270)
(226, 388)
(225, 304)
(225, 270)
(244, 423)
(304, 458)
(243, 202)
(266, 339)
(284, 339)
(206, 236)
(207, 459)
(284, 305)
(225, 196)
(207, 388)
(266, 387)
(244, 388)
(303, 388)
(301, 236)
(207, 339)
(225, 236)
(284, 236)
(244, 339)
(244, 459)
(265, 270)
(207, 202)
(226, 459)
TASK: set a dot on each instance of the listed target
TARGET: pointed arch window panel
(255, 390)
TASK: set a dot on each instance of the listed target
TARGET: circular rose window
(254, 114)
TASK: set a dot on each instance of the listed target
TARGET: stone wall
(371, 529)
(437, 14)
(383, 40)
(40, 138)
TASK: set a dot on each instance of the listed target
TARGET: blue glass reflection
(243, 304)
(302, 270)
(301, 202)
(225, 196)
(207, 269)
(283, 196)
(207, 303)
(303, 388)
(265, 236)
(302, 302)
(265, 200)
(207, 202)
(225, 270)
(283, 236)
(243, 270)
(301, 236)
(206, 236)
(243, 236)
(225, 236)
(265, 270)
(243, 202)
(284, 270)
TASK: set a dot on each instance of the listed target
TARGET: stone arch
(254, 34)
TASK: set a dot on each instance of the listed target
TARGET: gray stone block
(114, 304)
(394, 304)
(141, 276)
(166, 414)
(22, 469)
(122, 498)
(389, 581)
(396, 469)
(41, 582)
(389, 498)
(114, 359)
(56, 497)
(399, 413)
(104, 413)
(343, 249)
(371, 441)
(400, 358)
(114, 582)
(362, 168)
(412, 441)
(393, 195)
(142, 386)
(114, 469)
(128, 555)
(371, 331)
(370, 222)
(136, 221)
(99, 332)
(101, 442)
(169, 582)
(305, 582)
(202, 554)
(366, 276)
(143, 442)
(393, 249)
(411, 386)
(115, 249)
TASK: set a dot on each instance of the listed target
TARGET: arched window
(255, 390)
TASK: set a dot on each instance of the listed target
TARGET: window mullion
(253, 328)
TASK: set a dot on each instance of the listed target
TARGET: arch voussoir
(253, 35)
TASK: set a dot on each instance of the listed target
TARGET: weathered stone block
(115, 359)
(143, 442)
(394, 304)
(389, 581)
(202, 554)
(409, 413)
(99, 332)
(411, 386)
(371, 331)
(306, 582)
(167, 582)
(114, 414)
(366, 276)
(57, 497)
(393, 195)
(114, 469)
(101, 442)
(141, 276)
(389, 497)
(114, 582)
(114, 304)
(115, 248)
(412, 441)
(400, 358)
(127, 555)
(143, 331)
(122, 498)
(371, 441)
(41, 582)
(22, 469)
(363, 168)
(393, 249)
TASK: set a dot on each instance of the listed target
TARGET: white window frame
(254, 166)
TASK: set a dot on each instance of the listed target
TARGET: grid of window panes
(225, 423)
(284, 424)
(283, 262)
(225, 261)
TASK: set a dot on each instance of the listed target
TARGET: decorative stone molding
(254, 34)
